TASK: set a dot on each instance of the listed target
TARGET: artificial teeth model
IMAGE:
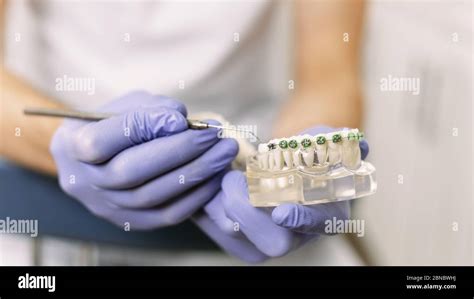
(309, 170)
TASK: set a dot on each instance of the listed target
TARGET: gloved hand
(142, 168)
(256, 234)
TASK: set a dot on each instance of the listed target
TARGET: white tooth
(271, 161)
(308, 156)
(322, 149)
(297, 159)
(271, 155)
(296, 152)
(277, 155)
(288, 157)
(322, 153)
(266, 164)
(351, 156)
(334, 150)
(334, 154)
(263, 156)
(308, 152)
(260, 161)
(285, 152)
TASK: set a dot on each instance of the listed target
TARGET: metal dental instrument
(96, 116)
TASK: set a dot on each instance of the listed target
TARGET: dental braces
(309, 169)
(321, 150)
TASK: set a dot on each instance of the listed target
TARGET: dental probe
(96, 116)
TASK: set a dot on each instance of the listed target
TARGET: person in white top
(255, 62)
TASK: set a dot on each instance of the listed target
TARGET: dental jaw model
(310, 170)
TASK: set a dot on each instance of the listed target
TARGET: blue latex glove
(142, 168)
(256, 234)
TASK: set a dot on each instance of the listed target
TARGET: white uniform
(227, 57)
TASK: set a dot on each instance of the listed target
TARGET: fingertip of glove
(234, 184)
(231, 147)
(364, 149)
(173, 104)
(146, 124)
(206, 137)
(283, 215)
(176, 121)
(234, 178)
(254, 259)
(166, 120)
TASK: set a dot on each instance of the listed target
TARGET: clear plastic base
(308, 186)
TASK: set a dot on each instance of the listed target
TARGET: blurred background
(421, 144)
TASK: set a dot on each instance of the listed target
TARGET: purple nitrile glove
(256, 234)
(142, 168)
